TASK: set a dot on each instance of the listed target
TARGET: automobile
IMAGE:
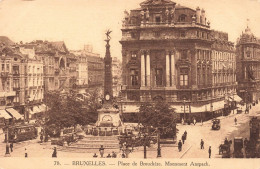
(215, 124)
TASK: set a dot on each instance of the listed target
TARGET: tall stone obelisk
(108, 116)
(108, 90)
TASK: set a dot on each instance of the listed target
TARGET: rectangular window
(134, 77)
(158, 20)
(16, 83)
(3, 67)
(158, 77)
(184, 55)
(7, 68)
(15, 70)
(184, 77)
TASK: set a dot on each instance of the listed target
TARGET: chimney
(198, 15)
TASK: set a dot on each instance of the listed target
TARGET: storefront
(14, 113)
(3, 117)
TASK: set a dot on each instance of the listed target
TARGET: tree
(65, 110)
(158, 114)
(156, 118)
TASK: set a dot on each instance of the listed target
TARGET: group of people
(124, 154)
(112, 155)
(183, 138)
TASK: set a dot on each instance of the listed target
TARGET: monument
(108, 116)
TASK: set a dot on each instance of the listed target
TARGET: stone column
(173, 69)
(142, 70)
(167, 69)
(148, 69)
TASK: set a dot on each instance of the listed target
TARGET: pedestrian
(25, 154)
(179, 145)
(113, 154)
(201, 144)
(194, 121)
(235, 121)
(182, 121)
(185, 133)
(95, 155)
(11, 146)
(123, 155)
(183, 138)
(101, 150)
(54, 154)
(41, 137)
(226, 141)
(127, 152)
(209, 151)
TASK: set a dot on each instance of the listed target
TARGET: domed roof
(248, 31)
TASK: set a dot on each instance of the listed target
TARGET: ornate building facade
(248, 66)
(170, 53)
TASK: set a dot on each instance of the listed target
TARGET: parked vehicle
(238, 147)
(215, 124)
(23, 132)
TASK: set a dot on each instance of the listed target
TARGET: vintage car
(215, 124)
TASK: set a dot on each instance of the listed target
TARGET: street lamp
(184, 101)
(7, 152)
(158, 142)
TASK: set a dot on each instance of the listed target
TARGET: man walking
(179, 145)
(209, 151)
(235, 121)
(25, 153)
(11, 146)
(101, 150)
(201, 144)
(54, 154)
(183, 138)
(185, 133)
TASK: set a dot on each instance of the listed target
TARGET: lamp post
(7, 152)
(158, 142)
(184, 101)
(145, 140)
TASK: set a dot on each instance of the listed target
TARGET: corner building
(170, 53)
(248, 66)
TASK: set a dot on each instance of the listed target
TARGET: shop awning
(43, 107)
(14, 113)
(130, 109)
(200, 108)
(237, 98)
(36, 109)
(4, 114)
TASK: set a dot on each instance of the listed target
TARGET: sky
(79, 22)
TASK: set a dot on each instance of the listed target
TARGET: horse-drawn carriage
(224, 149)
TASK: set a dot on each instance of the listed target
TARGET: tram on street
(19, 133)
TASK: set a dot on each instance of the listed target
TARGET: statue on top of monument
(108, 35)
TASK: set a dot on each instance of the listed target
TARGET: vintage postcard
(129, 84)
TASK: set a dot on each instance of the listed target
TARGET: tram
(23, 132)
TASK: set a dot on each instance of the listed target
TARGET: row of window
(226, 56)
(183, 79)
(251, 52)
